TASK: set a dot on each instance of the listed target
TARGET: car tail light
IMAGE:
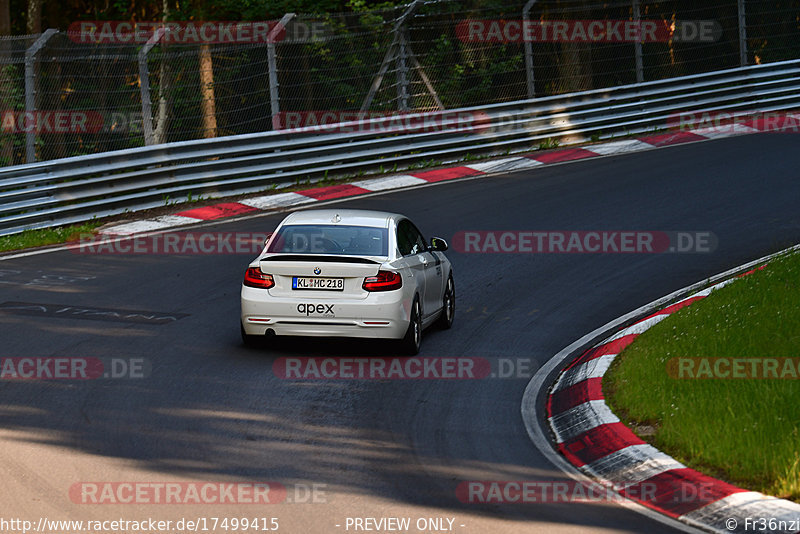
(253, 277)
(383, 281)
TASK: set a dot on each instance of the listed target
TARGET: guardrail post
(526, 12)
(742, 34)
(272, 63)
(30, 92)
(144, 86)
(637, 46)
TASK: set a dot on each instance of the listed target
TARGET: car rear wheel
(413, 338)
(448, 305)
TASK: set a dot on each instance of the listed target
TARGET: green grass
(549, 143)
(745, 431)
(46, 236)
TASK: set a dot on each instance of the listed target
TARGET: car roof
(379, 219)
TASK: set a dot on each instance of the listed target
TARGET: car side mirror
(437, 243)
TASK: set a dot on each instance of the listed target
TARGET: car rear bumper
(380, 315)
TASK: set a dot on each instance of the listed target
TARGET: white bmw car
(349, 273)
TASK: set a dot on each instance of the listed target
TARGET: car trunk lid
(293, 274)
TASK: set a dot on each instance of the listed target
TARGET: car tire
(412, 341)
(448, 305)
(251, 341)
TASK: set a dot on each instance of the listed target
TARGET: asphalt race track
(213, 410)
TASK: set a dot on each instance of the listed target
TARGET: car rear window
(331, 239)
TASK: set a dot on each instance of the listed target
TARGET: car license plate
(324, 284)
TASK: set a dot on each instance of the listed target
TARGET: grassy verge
(743, 430)
(45, 236)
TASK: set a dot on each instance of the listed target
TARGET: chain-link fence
(109, 85)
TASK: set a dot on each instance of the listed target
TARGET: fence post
(30, 92)
(402, 72)
(396, 32)
(742, 34)
(637, 46)
(144, 86)
(402, 56)
(272, 62)
(526, 12)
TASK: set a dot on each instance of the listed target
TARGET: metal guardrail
(77, 189)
